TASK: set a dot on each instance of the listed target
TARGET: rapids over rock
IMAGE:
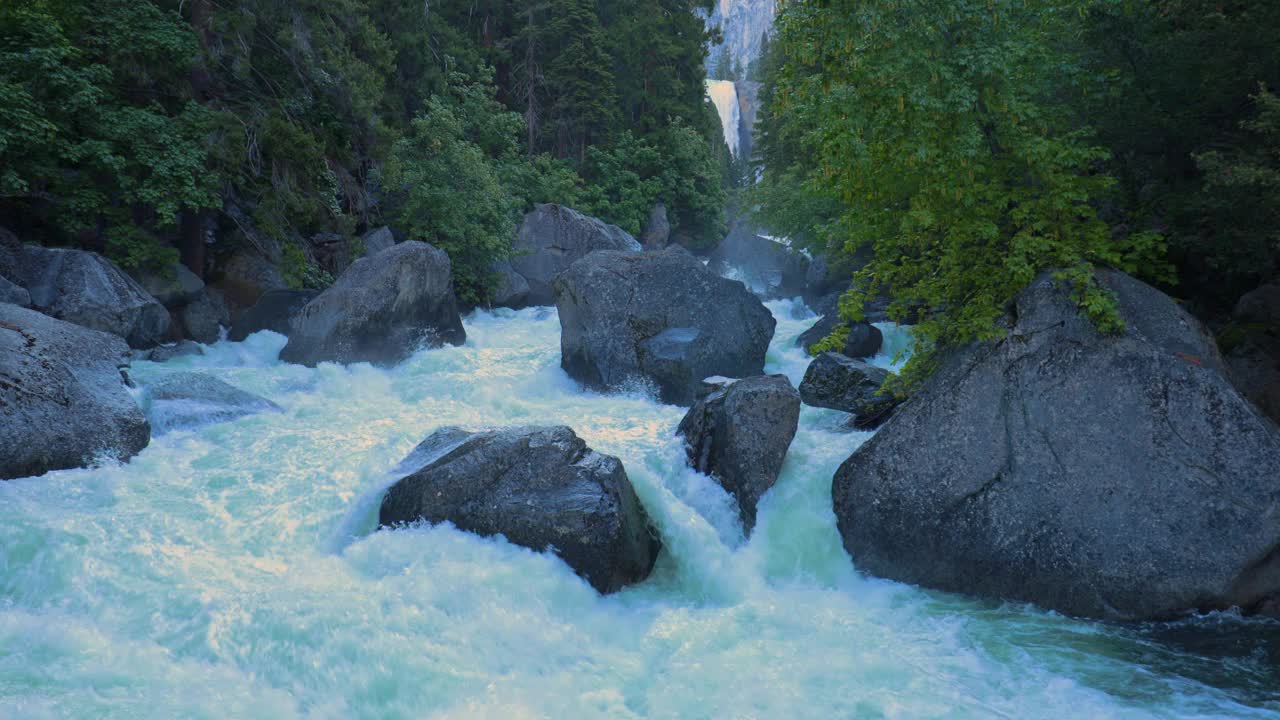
(234, 571)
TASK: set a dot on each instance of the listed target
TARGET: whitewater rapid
(231, 572)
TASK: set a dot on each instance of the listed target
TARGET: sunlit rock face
(744, 24)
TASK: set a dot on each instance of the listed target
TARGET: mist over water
(231, 572)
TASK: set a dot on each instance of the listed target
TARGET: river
(231, 572)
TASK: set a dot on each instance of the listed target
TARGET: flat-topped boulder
(381, 310)
(86, 289)
(1117, 476)
(540, 487)
(553, 237)
(739, 434)
(63, 400)
(659, 319)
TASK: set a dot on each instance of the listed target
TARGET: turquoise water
(230, 572)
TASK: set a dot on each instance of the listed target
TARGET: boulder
(511, 289)
(173, 286)
(660, 319)
(552, 237)
(863, 341)
(1253, 354)
(187, 400)
(657, 231)
(204, 317)
(273, 311)
(839, 382)
(14, 294)
(770, 268)
(380, 311)
(246, 275)
(540, 487)
(1117, 476)
(739, 434)
(165, 353)
(63, 400)
(331, 252)
(86, 289)
(375, 241)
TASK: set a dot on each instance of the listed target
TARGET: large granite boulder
(274, 311)
(862, 339)
(540, 487)
(246, 275)
(204, 317)
(511, 289)
(1117, 476)
(553, 237)
(739, 434)
(63, 400)
(86, 289)
(187, 400)
(660, 319)
(380, 311)
(839, 382)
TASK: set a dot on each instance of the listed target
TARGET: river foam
(232, 572)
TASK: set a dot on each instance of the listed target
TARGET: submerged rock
(274, 311)
(186, 400)
(540, 487)
(739, 434)
(382, 310)
(553, 237)
(1106, 476)
(658, 318)
(86, 289)
(839, 382)
(63, 401)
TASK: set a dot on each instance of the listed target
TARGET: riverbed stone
(1115, 476)
(657, 319)
(204, 317)
(381, 310)
(63, 400)
(839, 382)
(86, 289)
(188, 400)
(739, 434)
(553, 237)
(540, 487)
(273, 311)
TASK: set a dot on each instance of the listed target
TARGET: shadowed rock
(86, 289)
(553, 237)
(274, 311)
(382, 310)
(63, 401)
(657, 318)
(540, 487)
(739, 434)
(1110, 476)
(841, 383)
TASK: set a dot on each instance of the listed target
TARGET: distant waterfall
(724, 95)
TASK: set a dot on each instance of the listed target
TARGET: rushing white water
(228, 572)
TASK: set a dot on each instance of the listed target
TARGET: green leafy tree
(939, 131)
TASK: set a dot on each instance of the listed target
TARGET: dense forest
(156, 129)
(949, 152)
